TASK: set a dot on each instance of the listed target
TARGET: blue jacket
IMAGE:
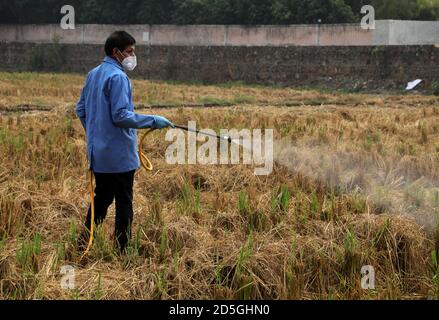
(107, 114)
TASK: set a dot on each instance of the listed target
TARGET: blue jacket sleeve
(120, 102)
(80, 106)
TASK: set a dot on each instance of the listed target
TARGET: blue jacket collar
(114, 62)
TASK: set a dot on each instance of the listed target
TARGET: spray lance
(227, 138)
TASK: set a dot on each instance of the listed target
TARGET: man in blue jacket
(107, 114)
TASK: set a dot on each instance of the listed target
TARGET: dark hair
(119, 40)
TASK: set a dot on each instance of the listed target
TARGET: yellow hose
(92, 205)
(146, 164)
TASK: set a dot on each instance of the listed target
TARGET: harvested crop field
(355, 183)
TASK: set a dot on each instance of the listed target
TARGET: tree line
(241, 12)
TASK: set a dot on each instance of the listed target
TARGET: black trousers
(110, 186)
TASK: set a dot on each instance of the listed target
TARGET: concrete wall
(187, 35)
(413, 32)
(387, 32)
(304, 35)
(351, 35)
(348, 67)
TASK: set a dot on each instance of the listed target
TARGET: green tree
(256, 12)
(155, 12)
(28, 11)
(247, 12)
(428, 9)
(283, 12)
(108, 11)
(224, 12)
(396, 9)
(356, 6)
(191, 12)
(329, 11)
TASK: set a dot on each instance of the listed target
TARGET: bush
(435, 88)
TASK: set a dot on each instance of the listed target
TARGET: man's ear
(115, 55)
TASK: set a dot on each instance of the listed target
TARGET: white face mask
(130, 63)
